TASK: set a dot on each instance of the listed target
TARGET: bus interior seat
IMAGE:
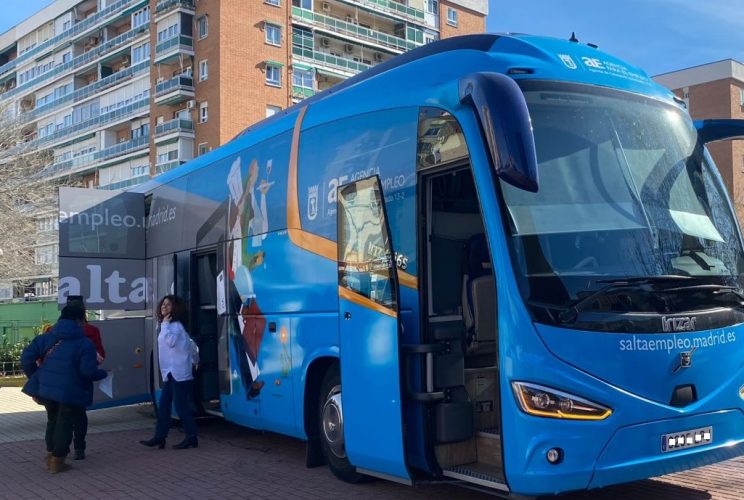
(479, 297)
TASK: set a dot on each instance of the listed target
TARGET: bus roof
(518, 55)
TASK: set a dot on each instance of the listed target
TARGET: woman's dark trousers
(181, 393)
(80, 429)
(60, 420)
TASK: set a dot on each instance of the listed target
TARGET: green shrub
(10, 356)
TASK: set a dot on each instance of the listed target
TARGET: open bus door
(369, 333)
(102, 258)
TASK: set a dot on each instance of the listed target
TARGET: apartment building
(716, 90)
(123, 90)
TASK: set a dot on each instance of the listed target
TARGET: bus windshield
(630, 214)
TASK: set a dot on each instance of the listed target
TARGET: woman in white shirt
(178, 354)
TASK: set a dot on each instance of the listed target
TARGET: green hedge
(10, 357)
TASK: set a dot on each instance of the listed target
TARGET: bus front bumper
(641, 451)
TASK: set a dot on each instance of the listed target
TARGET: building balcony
(347, 67)
(173, 47)
(301, 92)
(66, 134)
(75, 30)
(89, 90)
(167, 6)
(391, 7)
(174, 129)
(119, 152)
(161, 168)
(80, 61)
(175, 90)
(126, 183)
(327, 23)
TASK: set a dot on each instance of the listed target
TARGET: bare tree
(26, 196)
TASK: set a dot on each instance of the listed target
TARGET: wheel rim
(333, 422)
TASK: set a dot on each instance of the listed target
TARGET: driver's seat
(479, 297)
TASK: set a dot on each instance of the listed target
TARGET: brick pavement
(232, 461)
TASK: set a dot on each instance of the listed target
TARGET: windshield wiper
(709, 286)
(662, 278)
(570, 314)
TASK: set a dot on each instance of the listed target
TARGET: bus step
(478, 473)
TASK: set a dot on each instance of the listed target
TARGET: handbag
(31, 387)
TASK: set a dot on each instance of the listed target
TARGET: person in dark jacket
(80, 430)
(61, 367)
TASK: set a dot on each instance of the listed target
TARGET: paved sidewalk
(236, 462)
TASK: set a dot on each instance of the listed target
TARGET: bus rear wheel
(331, 423)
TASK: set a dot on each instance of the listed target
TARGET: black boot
(159, 442)
(79, 454)
(189, 442)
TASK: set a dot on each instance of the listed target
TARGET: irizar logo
(678, 324)
(568, 61)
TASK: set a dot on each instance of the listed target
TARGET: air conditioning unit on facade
(348, 48)
(190, 104)
(326, 6)
(378, 56)
(324, 42)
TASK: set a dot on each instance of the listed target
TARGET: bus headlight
(543, 401)
(741, 392)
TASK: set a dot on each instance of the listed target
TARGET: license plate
(686, 439)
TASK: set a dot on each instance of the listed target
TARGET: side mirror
(718, 130)
(506, 126)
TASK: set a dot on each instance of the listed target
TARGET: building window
(302, 78)
(203, 112)
(275, 3)
(273, 34)
(272, 110)
(66, 57)
(273, 75)
(203, 148)
(168, 33)
(741, 96)
(432, 6)
(451, 16)
(66, 25)
(140, 17)
(141, 53)
(203, 70)
(203, 27)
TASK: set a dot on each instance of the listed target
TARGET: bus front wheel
(331, 420)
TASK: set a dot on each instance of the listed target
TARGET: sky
(657, 35)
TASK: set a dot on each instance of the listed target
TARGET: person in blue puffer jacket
(61, 366)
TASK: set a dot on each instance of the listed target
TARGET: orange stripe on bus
(363, 301)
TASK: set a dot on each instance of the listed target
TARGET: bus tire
(331, 428)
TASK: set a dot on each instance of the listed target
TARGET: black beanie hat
(72, 312)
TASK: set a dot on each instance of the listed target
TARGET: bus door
(369, 333)
(102, 258)
(205, 330)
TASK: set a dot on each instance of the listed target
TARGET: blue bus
(504, 261)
